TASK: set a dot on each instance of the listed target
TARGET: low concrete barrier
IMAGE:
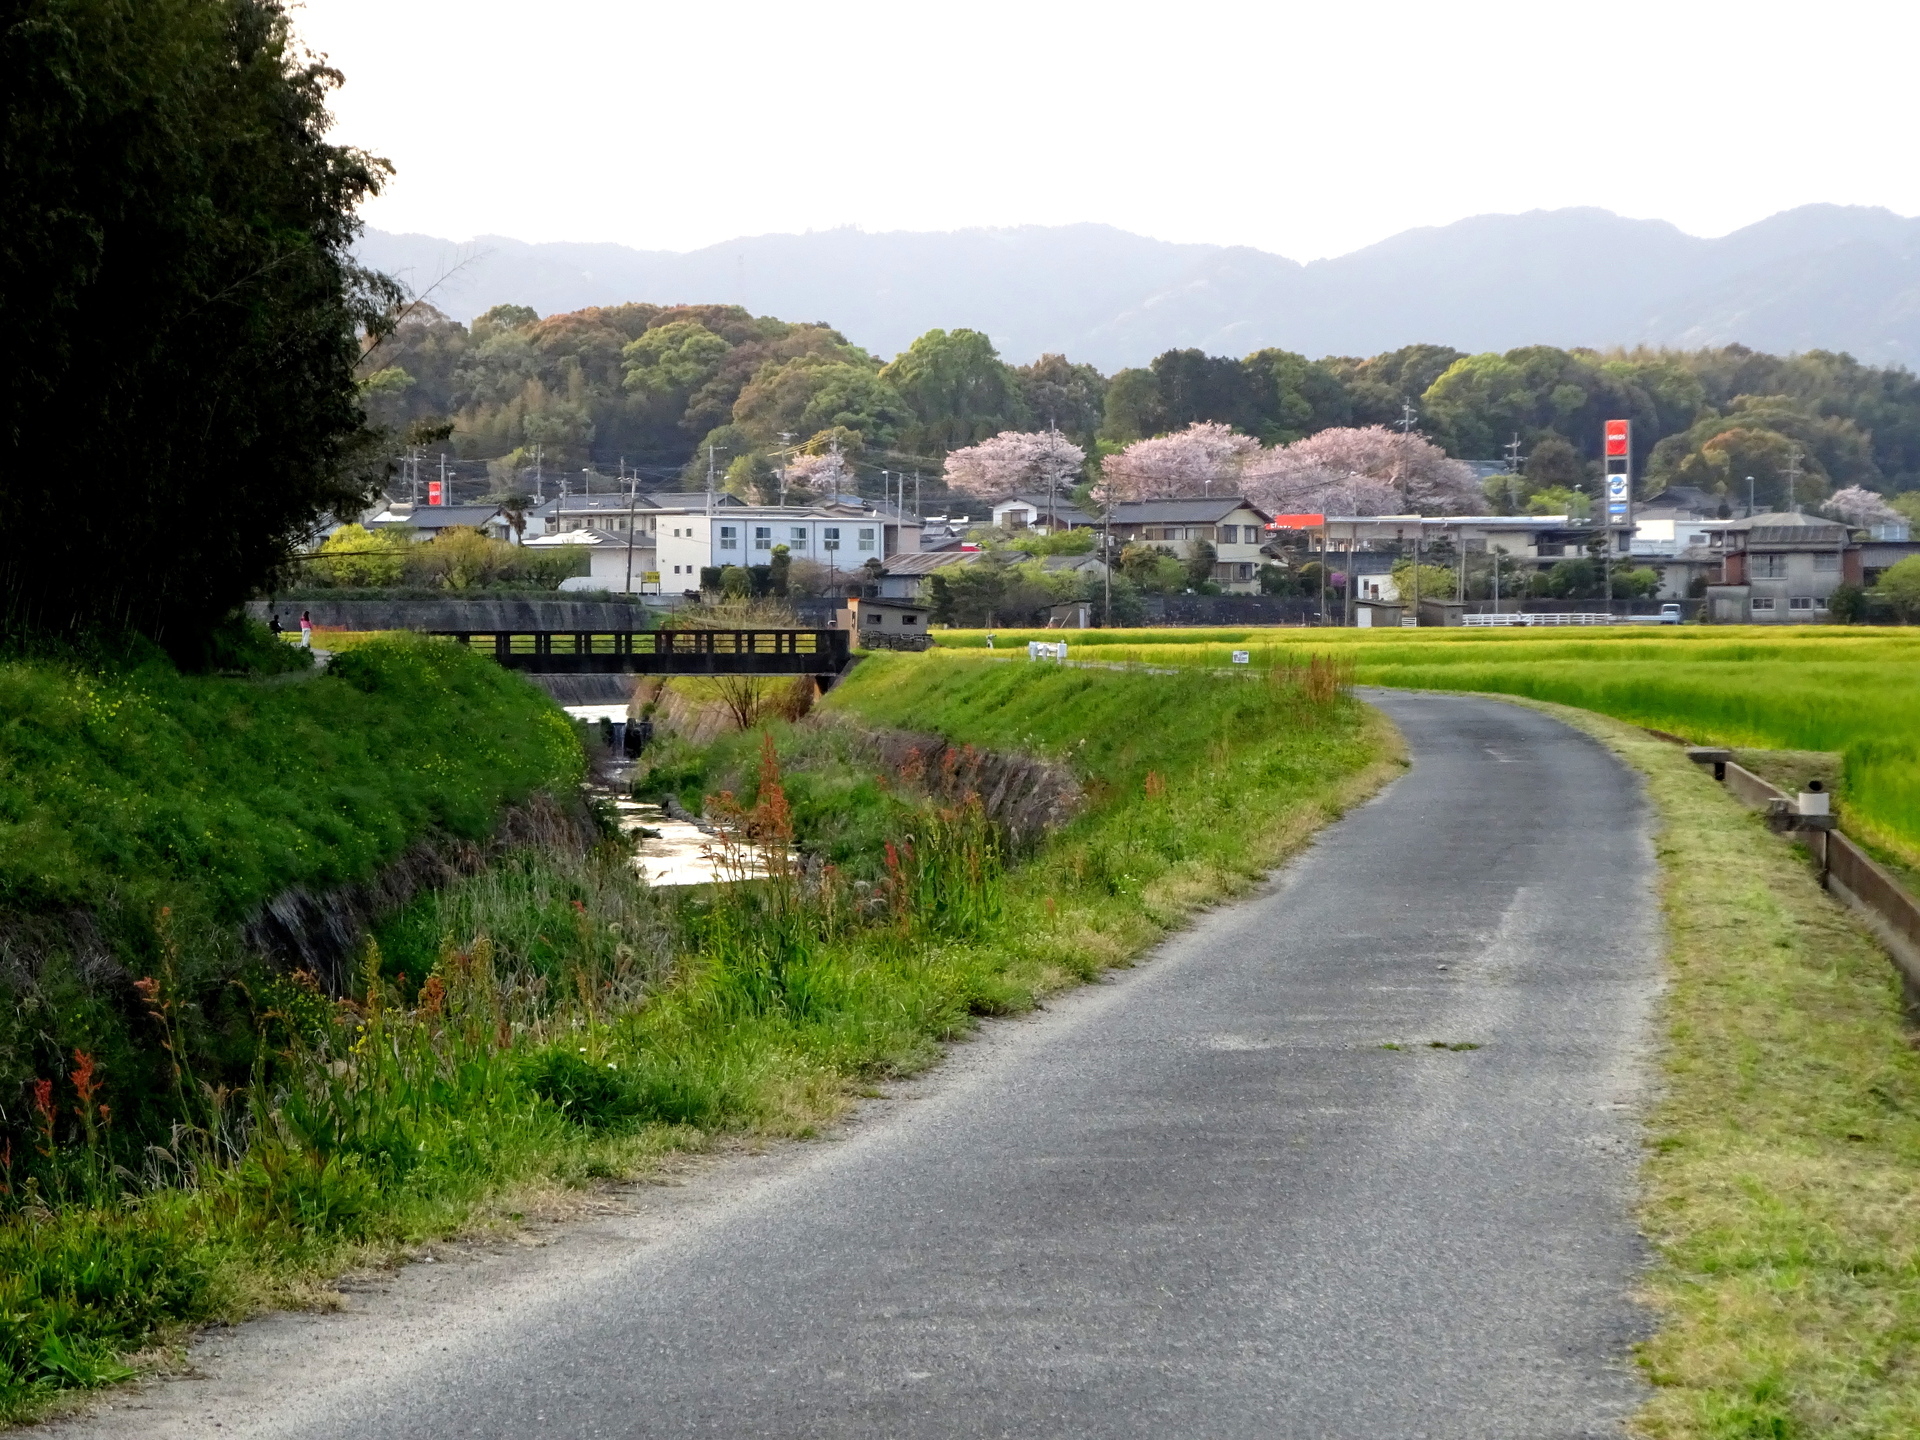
(1848, 872)
(1889, 910)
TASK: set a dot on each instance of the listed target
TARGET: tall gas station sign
(1619, 469)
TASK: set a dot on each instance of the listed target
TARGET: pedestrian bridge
(661, 652)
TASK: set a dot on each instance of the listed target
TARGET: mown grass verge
(551, 1021)
(1779, 1188)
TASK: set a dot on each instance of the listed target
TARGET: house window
(866, 537)
(799, 537)
(908, 619)
(1768, 567)
(1229, 534)
(1800, 604)
(763, 537)
(1826, 562)
(1762, 602)
(729, 537)
(872, 617)
(830, 537)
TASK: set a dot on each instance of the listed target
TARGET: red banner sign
(1296, 522)
(1617, 437)
(433, 493)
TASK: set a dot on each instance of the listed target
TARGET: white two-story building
(841, 537)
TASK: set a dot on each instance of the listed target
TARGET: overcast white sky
(1306, 129)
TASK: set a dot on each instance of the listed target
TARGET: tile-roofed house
(427, 521)
(1041, 512)
(1233, 525)
(1782, 568)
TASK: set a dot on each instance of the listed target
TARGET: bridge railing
(714, 651)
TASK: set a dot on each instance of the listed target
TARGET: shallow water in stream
(666, 851)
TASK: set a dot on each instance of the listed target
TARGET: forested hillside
(664, 388)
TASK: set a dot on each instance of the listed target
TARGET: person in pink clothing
(306, 630)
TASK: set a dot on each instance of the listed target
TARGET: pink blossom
(1013, 462)
(1206, 458)
(1368, 470)
(1861, 508)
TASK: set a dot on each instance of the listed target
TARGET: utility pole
(710, 454)
(1793, 483)
(445, 498)
(539, 475)
(1353, 539)
(1418, 536)
(786, 450)
(633, 502)
(1107, 553)
(1323, 571)
(1749, 497)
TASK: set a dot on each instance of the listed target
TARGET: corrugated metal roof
(925, 562)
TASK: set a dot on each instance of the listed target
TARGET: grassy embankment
(568, 1023)
(143, 815)
(1842, 689)
(1779, 1191)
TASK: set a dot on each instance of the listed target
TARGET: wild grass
(551, 1020)
(1848, 690)
(1779, 1188)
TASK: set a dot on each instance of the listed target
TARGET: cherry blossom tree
(1861, 508)
(1365, 470)
(823, 474)
(1206, 458)
(1015, 461)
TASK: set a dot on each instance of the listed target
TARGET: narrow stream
(666, 851)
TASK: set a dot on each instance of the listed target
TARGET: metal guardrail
(662, 652)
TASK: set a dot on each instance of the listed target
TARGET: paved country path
(1197, 1199)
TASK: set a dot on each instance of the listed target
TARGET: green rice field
(1849, 690)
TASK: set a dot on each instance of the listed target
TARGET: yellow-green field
(1855, 691)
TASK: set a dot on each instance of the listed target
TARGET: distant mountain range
(1819, 277)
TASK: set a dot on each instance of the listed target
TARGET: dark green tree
(184, 312)
(1196, 386)
(958, 390)
(1133, 410)
(1070, 397)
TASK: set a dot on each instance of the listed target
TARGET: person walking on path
(273, 626)
(306, 630)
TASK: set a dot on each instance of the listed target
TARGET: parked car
(1669, 614)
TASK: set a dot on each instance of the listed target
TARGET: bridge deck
(662, 652)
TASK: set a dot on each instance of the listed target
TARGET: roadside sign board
(1617, 448)
(433, 493)
(1242, 657)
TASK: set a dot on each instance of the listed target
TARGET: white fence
(1561, 618)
